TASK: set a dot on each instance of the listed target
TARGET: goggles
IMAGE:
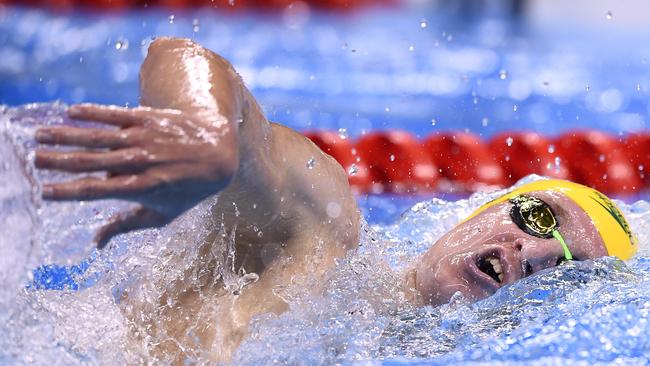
(615, 231)
(535, 217)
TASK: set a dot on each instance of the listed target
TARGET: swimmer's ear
(136, 219)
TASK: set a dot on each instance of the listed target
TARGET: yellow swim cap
(606, 217)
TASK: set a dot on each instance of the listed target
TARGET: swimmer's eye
(533, 216)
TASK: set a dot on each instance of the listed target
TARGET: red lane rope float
(395, 161)
(463, 158)
(637, 148)
(524, 153)
(599, 161)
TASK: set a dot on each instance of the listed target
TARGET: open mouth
(491, 265)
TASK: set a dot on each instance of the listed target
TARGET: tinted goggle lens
(533, 216)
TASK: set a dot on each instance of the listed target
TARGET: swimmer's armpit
(167, 160)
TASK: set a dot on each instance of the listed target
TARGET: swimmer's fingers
(125, 160)
(118, 116)
(84, 137)
(139, 218)
(122, 186)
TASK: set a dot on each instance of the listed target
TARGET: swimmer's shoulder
(318, 183)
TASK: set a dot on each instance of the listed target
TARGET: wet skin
(199, 132)
(460, 260)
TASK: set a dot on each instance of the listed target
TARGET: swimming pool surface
(364, 71)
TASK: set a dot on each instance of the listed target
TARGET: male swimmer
(199, 132)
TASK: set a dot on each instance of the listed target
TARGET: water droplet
(475, 100)
(354, 151)
(171, 19)
(605, 176)
(231, 2)
(503, 74)
(551, 148)
(311, 163)
(601, 158)
(333, 210)
(509, 141)
(122, 45)
(587, 87)
(641, 167)
(411, 48)
(450, 38)
(638, 87)
(387, 109)
(514, 107)
(343, 133)
(353, 169)
(195, 26)
(423, 23)
(557, 161)
(433, 121)
(392, 157)
(485, 121)
(609, 15)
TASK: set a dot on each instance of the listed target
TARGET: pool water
(379, 70)
(421, 70)
(589, 312)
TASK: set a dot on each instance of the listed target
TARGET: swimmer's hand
(165, 159)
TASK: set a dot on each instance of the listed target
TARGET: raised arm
(199, 131)
(180, 146)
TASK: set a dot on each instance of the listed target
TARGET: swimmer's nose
(538, 254)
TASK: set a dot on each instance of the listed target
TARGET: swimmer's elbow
(181, 74)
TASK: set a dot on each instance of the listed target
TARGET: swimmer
(199, 132)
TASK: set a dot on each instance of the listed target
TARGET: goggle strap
(567, 253)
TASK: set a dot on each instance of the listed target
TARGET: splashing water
(591, 312)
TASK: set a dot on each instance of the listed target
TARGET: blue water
(365, 71)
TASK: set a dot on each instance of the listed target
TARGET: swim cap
(606, 217)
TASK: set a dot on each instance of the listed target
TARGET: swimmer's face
(490, 251)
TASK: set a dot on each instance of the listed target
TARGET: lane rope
(398, 162)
